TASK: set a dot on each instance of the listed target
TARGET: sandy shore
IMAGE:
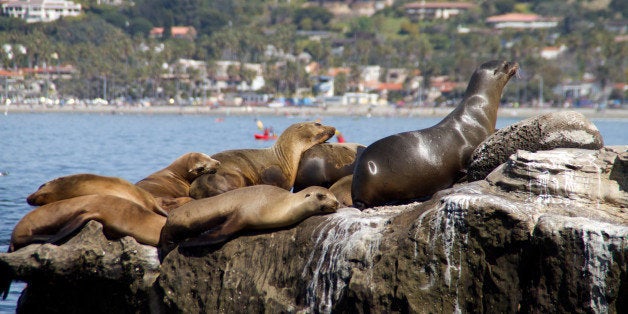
(305, 111)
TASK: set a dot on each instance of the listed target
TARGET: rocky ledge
(544, 232)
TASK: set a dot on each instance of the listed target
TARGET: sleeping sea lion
(215, 219)
(85, 184)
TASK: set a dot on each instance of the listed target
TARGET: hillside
(114, 54)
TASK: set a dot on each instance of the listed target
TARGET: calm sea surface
(36, 148)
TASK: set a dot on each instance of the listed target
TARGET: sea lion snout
(510, 68)
(326, 134)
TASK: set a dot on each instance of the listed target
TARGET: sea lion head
(322, 199)
(44, 193)
(311, 133)
(200, 164)
(491, 77)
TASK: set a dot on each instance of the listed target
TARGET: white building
(40, 10)
(522, 21)
(435, 10)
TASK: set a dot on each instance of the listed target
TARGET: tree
(619, 6)
(340, 83)
(317, 18)
(140, 25)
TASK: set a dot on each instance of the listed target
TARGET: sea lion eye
(321, 196)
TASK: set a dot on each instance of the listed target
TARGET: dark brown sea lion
(216, 219)
(120, 217)
(171, 185)
(324, 164)
(276, 165)
(86, 184)
(414, 165)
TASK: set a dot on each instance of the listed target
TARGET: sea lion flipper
(160, 210)
(5, 281)
(218, 234)
(69, 228)
(205, 240)
(273, 176)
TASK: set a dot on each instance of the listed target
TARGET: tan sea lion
(55, 221)
(414, 165)
(85, 184)
(324, 164)
(342, 191)
(216, 219)
(171, 185)
(174, 181)
(276, 165)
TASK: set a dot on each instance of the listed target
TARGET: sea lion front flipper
(219, 234)
(5, 281)
(70, 227)
(274, 176)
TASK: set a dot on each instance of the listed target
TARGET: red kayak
(265, 137)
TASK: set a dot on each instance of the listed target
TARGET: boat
(266, 136)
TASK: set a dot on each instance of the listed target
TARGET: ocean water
(36, 148)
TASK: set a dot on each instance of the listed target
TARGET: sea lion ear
(307, 195)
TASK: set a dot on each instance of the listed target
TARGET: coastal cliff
(545, 231)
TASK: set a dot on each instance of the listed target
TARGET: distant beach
(361, 111)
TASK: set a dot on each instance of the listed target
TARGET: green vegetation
(111, 45)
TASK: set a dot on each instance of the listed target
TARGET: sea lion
(174, 181)
(171, 185)
(342, 191)
(120, 217)
(85, 184)
(276, 165)
(216, 219)
(326, 163)
(414, 165)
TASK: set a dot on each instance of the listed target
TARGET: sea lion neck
(288, 153)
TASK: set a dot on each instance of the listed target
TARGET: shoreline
(383, 111)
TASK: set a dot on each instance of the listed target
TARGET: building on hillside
(183, 32)
(111, 2)
(552, 53)
(324, 86)
(579, 93)
(352, 8)
(435, 10)
(522, 21)
(222, 80)
(33, 11)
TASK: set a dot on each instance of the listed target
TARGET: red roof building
(185, 32)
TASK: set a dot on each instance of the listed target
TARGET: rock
(564, 129)
(545, 232)
(499, 245)
(88, 272)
